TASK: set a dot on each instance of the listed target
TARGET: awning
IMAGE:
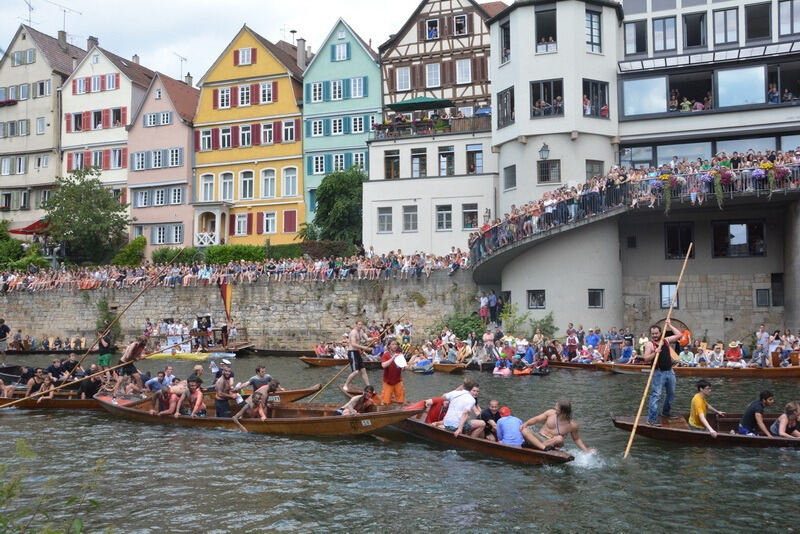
(38, 227)
(422, 102)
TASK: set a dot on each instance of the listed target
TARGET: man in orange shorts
(392, 375)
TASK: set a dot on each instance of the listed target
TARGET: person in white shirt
(457, 420)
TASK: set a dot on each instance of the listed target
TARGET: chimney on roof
(188, 79)
(62, 39)
(90, 42)
(370, 43)
(301, 53)
(135, 58)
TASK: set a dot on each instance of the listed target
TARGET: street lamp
(544, 152)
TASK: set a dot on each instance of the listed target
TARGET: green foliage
(291, 250)
(132, 254)
(177, 255)
(104, 318)
(32, 256)
(718, 192)
(546, 324)
(338, 214)
(10, 251)
(326, 249)
(461, 323)
(218, 254)
(419, 298)
(513, 320)
(308, 232)
(86, 217)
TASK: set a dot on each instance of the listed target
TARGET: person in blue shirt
(157, 383)
(529, 355)
(508, 427)
(627, 354)
(493, 306)
(592, 338)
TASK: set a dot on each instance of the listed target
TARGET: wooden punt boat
(288, 418)
(10, 374)
(62, 400)
(335, 362)
(449, 367)
(191, 356)
(60, 352)
(710, 372)
(492, 449)
(286, 395)
(293, 353)
(678, 430)
(575, 365)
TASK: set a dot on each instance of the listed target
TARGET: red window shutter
(197, 141)
(236, 57)
(74, 86)
(215, 98)
(124, 115)
(123, 197)
(106, 159)
(274, 91)
(234, 136)
(253, 56)
(215, 139)
(277, 132)
(235, 96)
(88, 84)
(87, 117)
(255, 132)
(124, 162)
(87, 159)
(68, 122)
(69, 161)
(231, 224)
(249, 223)
(106, 118)
(259, 217)
(289, 222)
(255, 93)
(103, 82)
(297, 129)
(116, 80)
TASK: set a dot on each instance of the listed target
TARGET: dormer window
(432, 28)
(244, 56)
(158, 94)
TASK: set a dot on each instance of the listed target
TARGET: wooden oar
(346, 367)
(657, 353)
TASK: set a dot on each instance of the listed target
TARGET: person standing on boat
(133, 352)
(5, 331)
(354, 347)
(224, 394)
(392, 374)
(699, 408)
(663, 376)
(104, 348)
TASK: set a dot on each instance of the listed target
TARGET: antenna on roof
(30, 10)
(293, 32)
(64, 9)
(283, 31)
(182, 60)
(28, 20)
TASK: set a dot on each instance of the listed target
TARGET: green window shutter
(308, 93)
(347, 48)
(365, 85)
(326, 91)
(328, 163)
(346, 124)
(326, 128)
(333, 52)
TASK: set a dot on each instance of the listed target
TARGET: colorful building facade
(248, 152)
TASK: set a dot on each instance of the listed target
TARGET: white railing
(205, 239)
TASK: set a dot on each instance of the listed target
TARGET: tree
(338, 215)
(512, 319)
(85, 217)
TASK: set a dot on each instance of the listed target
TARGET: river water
(186, 480)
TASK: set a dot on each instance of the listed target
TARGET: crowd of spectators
(642, 187)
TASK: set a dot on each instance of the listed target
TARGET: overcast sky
(199, 29)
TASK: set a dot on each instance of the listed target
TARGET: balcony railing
(205, 239)
(394, 130)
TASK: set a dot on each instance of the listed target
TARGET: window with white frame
(290, 182)
(176, 195)
(244, 56)
(241, 224)
(337, 126)
(43, 161)
(18, 58)
(12, 92)
(116, 158)
(246, 185)
(319, 164)
(97, 120)
(40, 125)
(410, 219)
(384, 220)
(208, 187)
(316, 128)
(139, 161)
(160, 235)
(432, 28)
(159, 197)
(460, 26)
(316, 92)
(464, 71)
(225, 97)
(205, 140)
(150, 119)
(341, 51)
(97, 159)
(42, 88)
(24, 91)
(226, 182)
(358, 159)
(21, 164)
(177, 233)
(444, 217)
(244, 95)
(288, 131)
(166, 117)
(266, 92)
(432, 75)
(270, 222)
(593, 43)
(244, 135)
(143, 199)
(225, 137)
(80, 86)
(11, 128)
(157, 94)
(22, 126)
(268, 183)
(155, 159)
(466, 111)
(45, 197)
(357, 124)
(96, 59)
(96, 83)
(356, 87)
(24, 199)
(338, 162)
(5, 166)
(337, 92)
(267, 137)
(403, 78)
(77, 161)
(111, 82)
(469, 216)
(174, 157)
(31, 55)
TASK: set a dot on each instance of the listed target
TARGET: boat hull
(336, 362)
(711, 372)
(449, 367)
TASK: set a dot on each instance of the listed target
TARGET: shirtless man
(359, 403)
(225, 394)
(253, 407)
(166, 402)
(133, 352)
(196, 404)
(558, 423)
(354, 348)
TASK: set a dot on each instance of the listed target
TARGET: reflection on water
(183, 480)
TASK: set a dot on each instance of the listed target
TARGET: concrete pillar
(218, 227)
(791, 266)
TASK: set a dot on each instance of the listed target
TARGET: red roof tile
(493, 8)
(183, 97)
(60, 60)
(138, 74)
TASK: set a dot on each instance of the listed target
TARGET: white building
(31, 73)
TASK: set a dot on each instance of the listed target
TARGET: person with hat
(392, 374)
(508, 426)
(733, 356)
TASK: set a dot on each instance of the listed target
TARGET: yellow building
(248, 165)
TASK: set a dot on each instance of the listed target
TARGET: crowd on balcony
(367, 266)
(694, 180)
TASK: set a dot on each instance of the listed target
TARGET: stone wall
(277, 315)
